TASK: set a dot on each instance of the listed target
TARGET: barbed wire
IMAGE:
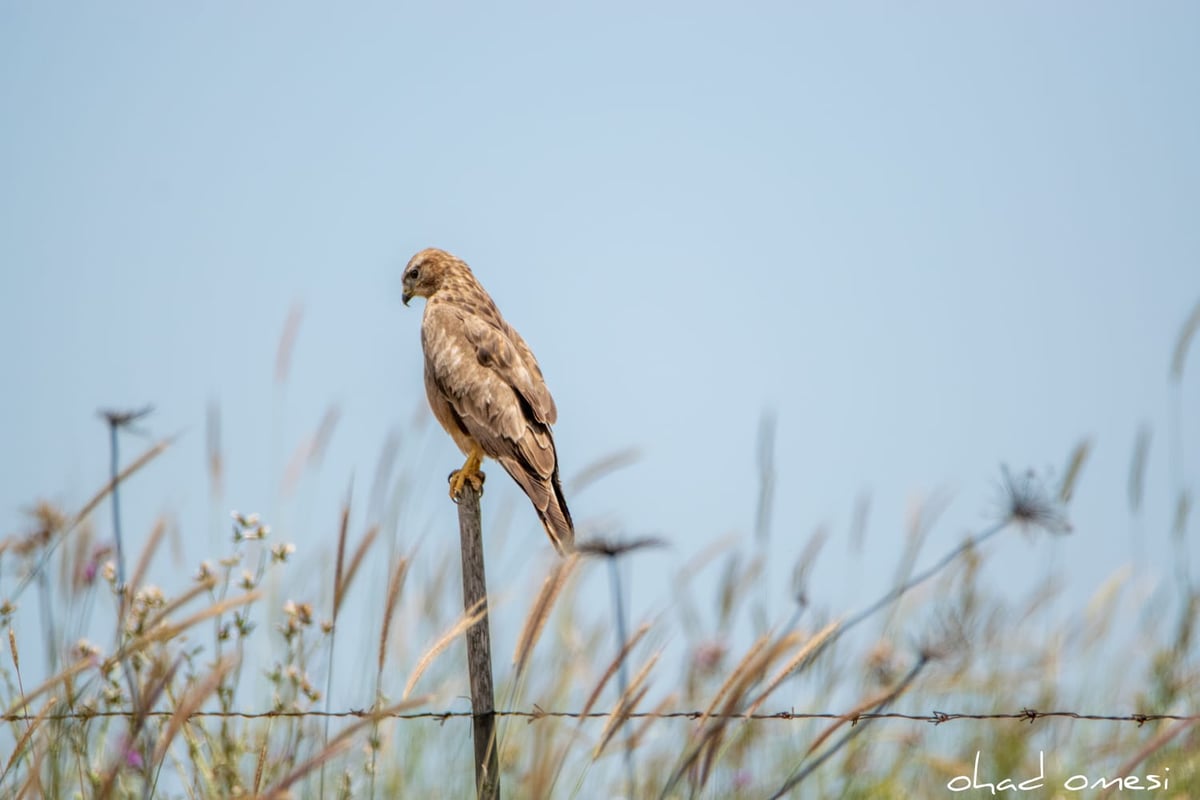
(934, 717)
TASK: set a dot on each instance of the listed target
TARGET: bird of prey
(486, 388)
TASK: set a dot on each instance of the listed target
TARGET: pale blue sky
(931, 240)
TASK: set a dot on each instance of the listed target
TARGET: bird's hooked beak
(405, 297)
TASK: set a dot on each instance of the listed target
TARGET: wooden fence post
(479, 648)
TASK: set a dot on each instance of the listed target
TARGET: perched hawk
(486, 388)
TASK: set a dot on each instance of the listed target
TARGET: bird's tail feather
(549, 502)
(556, 518)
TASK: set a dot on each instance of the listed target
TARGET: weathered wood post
(479, 647)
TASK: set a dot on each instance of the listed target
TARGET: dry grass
(155, 713)
(163, 679)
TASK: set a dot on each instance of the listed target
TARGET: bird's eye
(414, 273)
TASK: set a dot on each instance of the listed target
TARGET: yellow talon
(469, 473)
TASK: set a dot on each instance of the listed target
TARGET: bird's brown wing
(502, 403)
(546, 403)
(502, 349)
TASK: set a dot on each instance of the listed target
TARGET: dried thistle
(1027, 503)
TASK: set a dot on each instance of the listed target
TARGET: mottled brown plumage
(486, 388)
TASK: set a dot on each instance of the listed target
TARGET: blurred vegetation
(218, 686)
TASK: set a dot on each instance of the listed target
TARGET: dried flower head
(47, 521)
(282, 552)
(86, 650)
(599, 546)
(707, 656)
(1027, 503)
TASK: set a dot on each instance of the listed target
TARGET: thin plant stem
(114, 470)
(855, 730)
(614, 573)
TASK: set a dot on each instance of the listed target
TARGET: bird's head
(425, 273)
